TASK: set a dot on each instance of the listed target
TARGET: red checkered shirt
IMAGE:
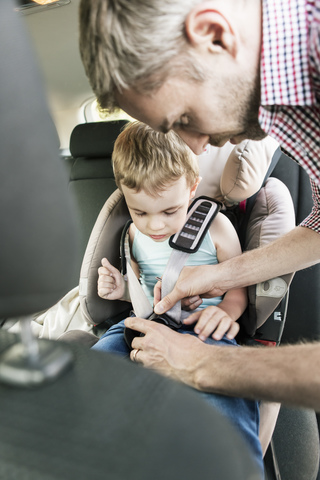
(290, 86)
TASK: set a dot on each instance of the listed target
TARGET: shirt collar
(284, 56)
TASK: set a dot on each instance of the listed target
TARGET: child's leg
(243, 413)
(113, 341)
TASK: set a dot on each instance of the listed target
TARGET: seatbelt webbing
(170, 276)
(139, 299)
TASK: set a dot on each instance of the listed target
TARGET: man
(215, 71)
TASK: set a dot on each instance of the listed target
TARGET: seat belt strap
(170, 276)
(139, 299)
(200, 215)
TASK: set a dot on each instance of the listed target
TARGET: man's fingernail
(159, 309)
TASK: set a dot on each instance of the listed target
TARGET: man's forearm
(288, 374)
(298, 249)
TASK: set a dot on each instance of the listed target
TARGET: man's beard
(247, 111)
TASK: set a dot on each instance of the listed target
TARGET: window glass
(92, 113)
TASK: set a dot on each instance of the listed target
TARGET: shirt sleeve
(313, 220)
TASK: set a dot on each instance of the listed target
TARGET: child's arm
(111, 284)
(222, 319)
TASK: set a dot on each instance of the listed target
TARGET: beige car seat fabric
(109, 227)
(65, 315)
(272, 216)
(231, 173)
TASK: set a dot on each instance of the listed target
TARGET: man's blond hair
(144, 159)
(122, 45)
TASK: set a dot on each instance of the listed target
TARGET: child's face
(161, 216)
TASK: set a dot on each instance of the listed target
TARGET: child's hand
(213, 320)
(191, 303)
(111, 284)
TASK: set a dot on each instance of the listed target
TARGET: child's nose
(156, 223)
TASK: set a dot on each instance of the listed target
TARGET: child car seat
(241, 171)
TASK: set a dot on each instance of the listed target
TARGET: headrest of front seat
(38, 229)
(95, 140)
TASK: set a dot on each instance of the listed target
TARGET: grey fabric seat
(91, 179)
(303, 324)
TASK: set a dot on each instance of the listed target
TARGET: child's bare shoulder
(221, 227)
(222, 220)
(132, 231)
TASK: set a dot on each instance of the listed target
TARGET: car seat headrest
(95, 140)
(233, 173)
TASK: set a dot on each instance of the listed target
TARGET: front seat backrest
(38, 231)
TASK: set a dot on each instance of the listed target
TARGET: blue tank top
(152, 258)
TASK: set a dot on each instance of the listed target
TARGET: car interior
(60, 212)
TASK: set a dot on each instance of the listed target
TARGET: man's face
(210, 112)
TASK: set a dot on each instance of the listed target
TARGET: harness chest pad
(200, 215)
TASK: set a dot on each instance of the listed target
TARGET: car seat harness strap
(187, 241)
(139, 299)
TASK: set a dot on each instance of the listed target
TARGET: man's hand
(192, 281)
(111, 284)
(213, 321)
(165, 350)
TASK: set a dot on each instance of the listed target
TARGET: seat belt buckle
(165, 320)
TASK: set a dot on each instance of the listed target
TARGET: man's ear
(194, 187)
(207, 27)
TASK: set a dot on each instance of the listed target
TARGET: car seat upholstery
(303, 317)
(54, 432)
(303, 324)
(35, 208)
(91, 179)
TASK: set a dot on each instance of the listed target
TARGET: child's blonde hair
(144, 159)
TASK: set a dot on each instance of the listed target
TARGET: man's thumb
(166, 303)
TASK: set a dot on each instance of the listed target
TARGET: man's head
(187, 65)
(125, 43)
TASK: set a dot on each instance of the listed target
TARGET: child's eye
(170, 213)
(141, 214)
